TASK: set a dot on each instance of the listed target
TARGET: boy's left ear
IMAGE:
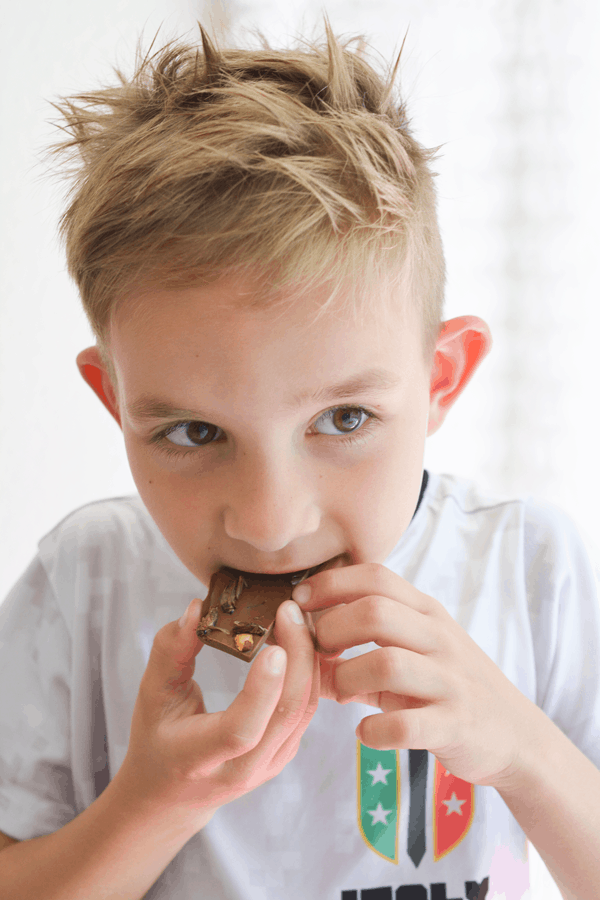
(93, 371)
(461, 345)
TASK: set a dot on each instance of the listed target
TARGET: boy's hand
(180, 755)
(437, 689)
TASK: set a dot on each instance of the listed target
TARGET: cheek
(170, 498)
(385, 492)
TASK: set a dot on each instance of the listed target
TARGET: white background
(509, 88)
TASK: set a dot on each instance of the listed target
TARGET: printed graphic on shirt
(439, 891)
(378, 792)
(378, 805)
(453, 811)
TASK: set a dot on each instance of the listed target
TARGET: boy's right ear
(93, 371)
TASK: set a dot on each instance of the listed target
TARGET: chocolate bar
(238, 614)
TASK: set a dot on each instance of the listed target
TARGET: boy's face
(235, 436)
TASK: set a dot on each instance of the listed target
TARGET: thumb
(168, 675)
(192, 614)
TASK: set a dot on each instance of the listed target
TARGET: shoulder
(119, 523)
(522, 538)
(462, 501)
(103, 545)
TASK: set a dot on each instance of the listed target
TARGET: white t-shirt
(75, 635)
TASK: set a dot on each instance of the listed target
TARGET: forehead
(233, 331)
(376, 305)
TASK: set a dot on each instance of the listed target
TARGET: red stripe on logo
(453, 810)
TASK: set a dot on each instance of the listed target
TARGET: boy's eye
(192, 434)
(342, 420)
(339, 421)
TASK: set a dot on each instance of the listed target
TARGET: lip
(297, 574)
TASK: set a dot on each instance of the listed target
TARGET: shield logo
(453, 810)
(378, 792)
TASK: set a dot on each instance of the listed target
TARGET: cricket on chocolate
(238, 613)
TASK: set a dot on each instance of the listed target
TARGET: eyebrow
(372, 380)
(368, 382)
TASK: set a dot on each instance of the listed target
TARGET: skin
(270, 493)
(276, 487)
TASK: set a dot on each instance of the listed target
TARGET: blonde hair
(211, 161)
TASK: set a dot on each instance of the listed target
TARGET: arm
(555, 798)
(115, 849)
(182, 764)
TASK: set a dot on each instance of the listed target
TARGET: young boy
(254, 237)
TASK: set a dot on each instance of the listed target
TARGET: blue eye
(192, 434)
(345, 419)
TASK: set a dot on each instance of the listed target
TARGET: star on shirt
(454, 805)
(379, 815)
(379, 774)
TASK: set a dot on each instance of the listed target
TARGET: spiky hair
(299, 162)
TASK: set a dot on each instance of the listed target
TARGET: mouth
(295, 577)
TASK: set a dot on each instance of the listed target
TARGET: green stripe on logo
(378, 799)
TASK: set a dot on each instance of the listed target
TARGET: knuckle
(378, 577)
(388, 661)
(431, 606)
(375, 612)
(324, 582)
(291, 713)
(235, 743)
(409, 731)
(436, 637)
(161, 643)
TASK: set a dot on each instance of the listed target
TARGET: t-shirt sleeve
(563, 582)
(36, 787)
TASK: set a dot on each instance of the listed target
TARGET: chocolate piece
(238, 614)
(230, 595)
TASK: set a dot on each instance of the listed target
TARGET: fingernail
(301, 593)
(186, 614)
(276, 660)
(295, 613)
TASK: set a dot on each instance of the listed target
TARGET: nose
(271, 504)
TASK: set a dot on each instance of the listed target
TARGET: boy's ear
(93, 371)
(461, 345)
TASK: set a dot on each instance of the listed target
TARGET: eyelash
(354, 437)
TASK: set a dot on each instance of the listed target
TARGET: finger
(289, 748)
(267, 711)
(290, 712)
(390, 669)
(240, 727)
(167, 680)
(343, 585)
(377, 619)
(218, 737)
(416, 729)
(293, 635)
